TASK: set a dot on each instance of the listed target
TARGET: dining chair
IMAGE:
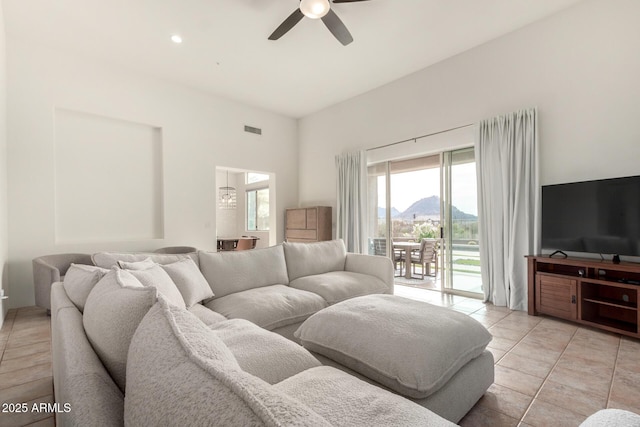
(244, 244)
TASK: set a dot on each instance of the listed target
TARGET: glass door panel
(415, 203)
(460, 207)
(378, 218)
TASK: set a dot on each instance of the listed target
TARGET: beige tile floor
(548, 372)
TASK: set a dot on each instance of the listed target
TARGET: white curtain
(352, 200)
(506, 150)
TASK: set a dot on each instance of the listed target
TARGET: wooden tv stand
(597, 293)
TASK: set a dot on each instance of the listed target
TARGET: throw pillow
(159, 279)
(80, 280)
(189, 280)
(110, 259)
(113, 310)
(180, 373)
(136, 265)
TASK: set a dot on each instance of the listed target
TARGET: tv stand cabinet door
(556, 296)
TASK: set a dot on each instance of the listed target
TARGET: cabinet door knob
(573, 299)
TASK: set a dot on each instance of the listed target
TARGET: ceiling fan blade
(287, 24)
(337, 28)
(347, 1)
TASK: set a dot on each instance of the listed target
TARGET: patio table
(406, 247)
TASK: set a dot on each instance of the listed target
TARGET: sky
(409, 187)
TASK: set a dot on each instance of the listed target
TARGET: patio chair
(380, 249)
(427, 255)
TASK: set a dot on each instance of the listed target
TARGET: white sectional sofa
(129, 349)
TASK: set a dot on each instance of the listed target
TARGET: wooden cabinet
(592, 292)
(556, 296)
(308, 224)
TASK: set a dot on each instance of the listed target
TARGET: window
(253, 177)
(258, 209)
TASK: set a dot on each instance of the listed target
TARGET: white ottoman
(413, 348)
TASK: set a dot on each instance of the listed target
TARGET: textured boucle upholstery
(80, 280)
(110, 259)
(230, 272)
(365, 334)
(336, 286)
(208, 317)
(379, 267)
(612, 418)
(115, 307)
(344, 400)
(181, 373)
(157, 278)
(269, 307)
(262, 353)
(50, 269)
(81, 380)
(189, 280)
(308, 259)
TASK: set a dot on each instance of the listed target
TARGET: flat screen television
(601, 216)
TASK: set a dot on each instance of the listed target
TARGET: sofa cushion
(409, 346)
(110, 259)
(114, 308)
(80, 280)
(338, 286)
(229, 272)
(159, 279)
(264, 354)
(189, 280)
(181, 373)
(208, 317)
(307, 259)
(269, 307)
(344, 400)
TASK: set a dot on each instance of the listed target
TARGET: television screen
(600, 216)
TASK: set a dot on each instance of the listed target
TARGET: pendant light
(227, 196)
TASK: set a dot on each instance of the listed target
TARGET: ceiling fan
(317, 9)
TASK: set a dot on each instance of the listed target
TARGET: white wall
(4, 257)
(581, 68)
(199, 132)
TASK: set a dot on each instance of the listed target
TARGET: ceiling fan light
(314, 9)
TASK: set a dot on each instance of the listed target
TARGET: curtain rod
(415, 139)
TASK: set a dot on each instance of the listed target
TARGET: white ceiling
(226, 51)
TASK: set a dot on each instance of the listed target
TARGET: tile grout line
(546, 378)
(613, 374)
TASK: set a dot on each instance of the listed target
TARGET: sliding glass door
(434, 198)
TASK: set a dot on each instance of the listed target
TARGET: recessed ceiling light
(176, 38)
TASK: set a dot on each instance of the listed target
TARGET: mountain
(382, 212)
(429, 207)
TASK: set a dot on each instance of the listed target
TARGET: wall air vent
(251, 129)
